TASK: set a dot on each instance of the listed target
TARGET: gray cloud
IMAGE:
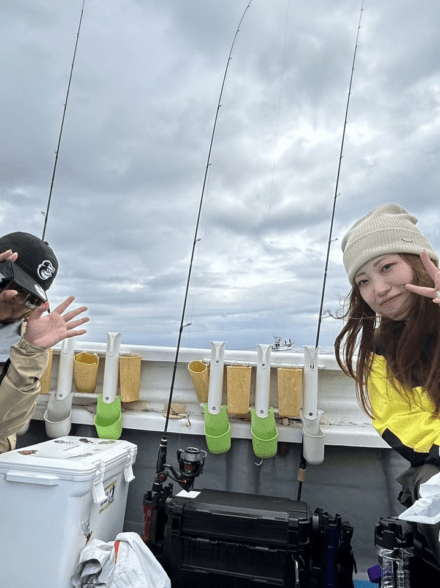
(139, 119)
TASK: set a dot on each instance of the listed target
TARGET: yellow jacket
(20, 386)
(410, 428)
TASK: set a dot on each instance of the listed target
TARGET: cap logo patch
(45, 270)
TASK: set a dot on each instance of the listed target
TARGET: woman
(393, 325)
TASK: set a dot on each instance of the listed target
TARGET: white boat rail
(341, 420)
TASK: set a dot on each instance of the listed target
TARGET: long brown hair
(411, 347)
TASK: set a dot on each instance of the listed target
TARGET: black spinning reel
(191, 461)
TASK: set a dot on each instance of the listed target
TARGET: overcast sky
(137, 131)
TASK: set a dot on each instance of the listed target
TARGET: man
(28, 267)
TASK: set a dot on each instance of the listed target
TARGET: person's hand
(46, 331)
(434, 272)
(8, 256)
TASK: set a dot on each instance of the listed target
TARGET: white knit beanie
(387, 229)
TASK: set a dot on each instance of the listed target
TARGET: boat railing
(341, 420)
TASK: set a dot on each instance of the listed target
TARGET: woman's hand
(434, 272)
(46, 331)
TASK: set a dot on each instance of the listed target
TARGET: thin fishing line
(329, 244)
(195, 274)
(195, 240)
(46, 214)
(303, 463)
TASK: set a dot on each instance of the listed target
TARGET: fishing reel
(191, 461)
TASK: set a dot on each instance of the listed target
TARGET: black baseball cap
(36, 266)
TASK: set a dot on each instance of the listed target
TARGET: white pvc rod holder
(110, 383)
(65, 369)
(262, 389)
(313, 437)
(310, 399)
(215, 391)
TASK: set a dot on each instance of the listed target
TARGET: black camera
(11, 275)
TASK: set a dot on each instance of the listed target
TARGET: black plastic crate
(232, 539)
(234, 559)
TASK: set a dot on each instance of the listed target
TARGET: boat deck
(355, 478)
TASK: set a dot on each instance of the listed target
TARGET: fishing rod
(191, 460)
(196, 239)
(303, 463)
(46, 214)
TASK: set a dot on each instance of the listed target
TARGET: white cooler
(54, 498)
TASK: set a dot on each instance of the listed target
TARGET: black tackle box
(240, 540)
(392, 533)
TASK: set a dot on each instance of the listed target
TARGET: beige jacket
(8, 443)
(20, 386)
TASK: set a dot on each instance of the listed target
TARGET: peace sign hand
(434, 272)
(46, 331)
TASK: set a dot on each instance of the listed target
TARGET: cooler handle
(128, 470)
(98, 492)
(31, 478)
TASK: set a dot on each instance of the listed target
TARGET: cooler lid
(70, 457)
